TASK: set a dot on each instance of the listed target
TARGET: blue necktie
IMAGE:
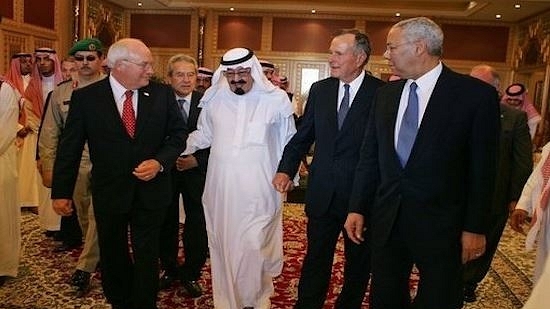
(409, 127)
(344, 107)
(181, 103)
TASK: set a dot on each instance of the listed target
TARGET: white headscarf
(232, 59)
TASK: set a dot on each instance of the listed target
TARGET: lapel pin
(146, 94)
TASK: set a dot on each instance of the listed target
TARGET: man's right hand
(517, 219)
(46, 178)
(63, 207)
(355, 227)
(282, 183)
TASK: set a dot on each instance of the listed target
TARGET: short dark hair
(362, 42)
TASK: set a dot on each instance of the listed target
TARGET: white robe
(247, 135)
(529, 201)
(10, 216)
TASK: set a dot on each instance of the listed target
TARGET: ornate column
(202, 26)
(76, 20)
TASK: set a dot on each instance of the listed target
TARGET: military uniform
(54, 122)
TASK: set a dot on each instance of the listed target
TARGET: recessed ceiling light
(140, 3)
(232, 9)
(313, 11)
(498, 16)
(517, 6)
(397, 14)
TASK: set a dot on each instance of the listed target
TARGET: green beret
(86, 45)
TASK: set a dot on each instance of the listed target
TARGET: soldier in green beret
(88, 56)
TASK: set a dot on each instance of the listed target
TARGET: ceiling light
(313, 11)
(397, 14)
(232, 9)
(140, 4)
(498, 16)
(517, 6)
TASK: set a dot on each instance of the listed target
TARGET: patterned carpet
(42, 282)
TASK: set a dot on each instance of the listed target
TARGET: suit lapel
(359, 104)
(436, 115)
(193, 111)
(145, 106)
(391, 106)
(111, 115)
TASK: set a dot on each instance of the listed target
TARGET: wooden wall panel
(478, 43)
(377, 32)
(162, 30)
(305, 35)
(40, 13)
(239, 31)
(6, 8)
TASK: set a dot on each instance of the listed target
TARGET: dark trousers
(130, 280)
(438, 262)
(322, 236)
(190, 185)
(70, 232)
(475, 271)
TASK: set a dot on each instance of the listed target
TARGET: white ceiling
(481, 10)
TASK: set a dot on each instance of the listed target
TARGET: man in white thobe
(10, 217)
(247, 122)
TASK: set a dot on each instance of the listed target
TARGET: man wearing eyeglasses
(246, 121)
(135, 133)
(87, 54)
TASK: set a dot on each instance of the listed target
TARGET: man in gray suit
(514, 167)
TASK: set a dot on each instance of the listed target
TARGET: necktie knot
(344, 107)
(129, 94)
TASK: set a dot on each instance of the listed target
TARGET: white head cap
(232, 59)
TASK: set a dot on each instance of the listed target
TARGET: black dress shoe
(66, 247)
(470, 294)
(166, 281)
(81, 280)
(192, 288)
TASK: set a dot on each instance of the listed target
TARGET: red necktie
(128, 115)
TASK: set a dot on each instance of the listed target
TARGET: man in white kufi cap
(247, 122)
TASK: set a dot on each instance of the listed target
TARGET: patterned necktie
(344, 107)
(128, 115)
(409, 127)
(181, 104)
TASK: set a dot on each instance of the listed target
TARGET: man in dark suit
(189, 176)
(337, 139)
(426, 174)
(515, 163)
(134, 132)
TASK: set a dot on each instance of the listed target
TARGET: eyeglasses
(88, 58)
(232, 73)
(143, 65)
(391, 48)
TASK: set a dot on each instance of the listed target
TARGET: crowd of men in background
(226, 143)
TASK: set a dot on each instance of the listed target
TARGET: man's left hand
(473, 246)
(186, 162)
(147, 170)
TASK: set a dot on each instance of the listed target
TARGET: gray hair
(180, 58)
(423, 28)
(122, 50)
(362, 42)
